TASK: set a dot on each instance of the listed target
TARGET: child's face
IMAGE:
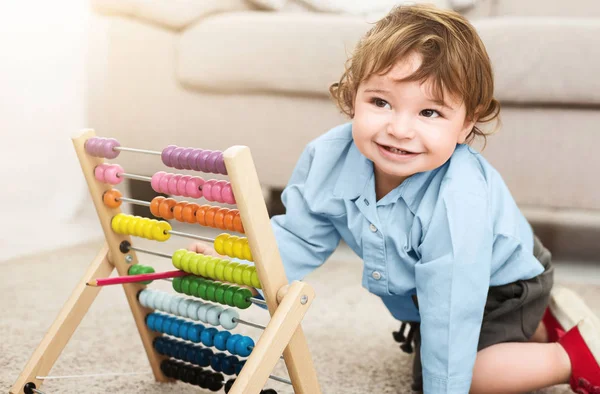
(399, 127)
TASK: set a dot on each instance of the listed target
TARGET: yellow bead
(185, 262)
(237, 274)
(139, 227)
(218, 244)
(210, 267)
(176, 258)
(228, 245)
(247, 275)
(255, 281)
(194, 261)
(124, 224)
(246, 252)
(132, 224)
(228, 271)
(148, 226)
(202, 265)
(238, 246)
(163, 233)
(115, 222)
(219, 270)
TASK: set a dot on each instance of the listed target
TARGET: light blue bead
(221, 340)
(208, 336)
(159, 299)
(150, 299)
(231, 342)
(226, 318)
(143, 298)
(174, 305)
(158, 322)
(192, 310)
(212, 315)
(242, 347)
(194, 332)
(183, 330)
(202, 312)
(150, 322)
(183, 305)
(166, 303)
(174, 328)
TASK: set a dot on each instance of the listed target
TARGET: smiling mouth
(397, 151)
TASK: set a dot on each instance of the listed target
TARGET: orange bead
(228, 220)
(165, 209)
(237, 223)
(178, 210)
(220, 217)
(210, 216)
(201, 214)
(111, 198)
(189, 212)
(155, 204)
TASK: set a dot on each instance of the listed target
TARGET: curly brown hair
(453, 56)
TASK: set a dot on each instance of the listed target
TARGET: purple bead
(108, 148)
(220, 164)
(211, 161)
(166, 155)
(184, 159)
(193, 159)
(202, 160)
(90, 146)
(175, 158)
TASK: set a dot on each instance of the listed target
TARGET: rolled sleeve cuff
(433, 384)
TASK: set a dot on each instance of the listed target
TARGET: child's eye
(430, 113)
(381, 103)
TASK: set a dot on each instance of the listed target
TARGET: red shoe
(564, 311)
(582, 344)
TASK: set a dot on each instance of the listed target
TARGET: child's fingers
(203, 248)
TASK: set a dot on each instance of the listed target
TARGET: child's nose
(401, 127)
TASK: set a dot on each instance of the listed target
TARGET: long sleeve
(305, 238)
(453, 278)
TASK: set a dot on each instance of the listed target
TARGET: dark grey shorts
(512, 312)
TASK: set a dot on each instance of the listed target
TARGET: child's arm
(453, 279)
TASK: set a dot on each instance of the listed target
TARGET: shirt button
(373, 228)
(376, 275)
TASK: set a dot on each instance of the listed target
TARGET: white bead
(158, 300)
(183, 306)
(192, 310)
(212, 315)
(202, 312)
(174, 305)
(226, 318)
(166, 303)
(150, 299)
(143, 297)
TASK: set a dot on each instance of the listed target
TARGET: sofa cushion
(535, 60)
(544, 60)
(170, 14)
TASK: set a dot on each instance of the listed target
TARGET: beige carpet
(349, 330)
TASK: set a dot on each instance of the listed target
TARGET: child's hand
(203, 248)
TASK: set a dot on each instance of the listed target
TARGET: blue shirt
(446, 235)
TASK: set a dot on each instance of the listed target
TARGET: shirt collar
(357, 170)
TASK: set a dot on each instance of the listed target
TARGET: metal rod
(168, 256)
(134, 201)
(235, 319)
(186, 235)
(37, 391)
(150, 152)
(282, 380)
(133, 176)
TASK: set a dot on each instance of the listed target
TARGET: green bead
(177, 284)
(210, 291)
(185, 262)
(220, 293)
(176, 258)
(202, 290)
(228, 296)
(134, 269)
(255, 281)
(237, 274)
(241, 298)
(185, 285)
(228, 271)
(146, 270)
(219, 270)
(210, 267)
(247, 275)
(194, 287)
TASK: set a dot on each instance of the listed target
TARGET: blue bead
(169, 349)
(190, 354)
(174, 328)
(228, 365)
(183, 330)
(216, 362)
(158, 323)
(221, 340)
(203, 357)
(181, 351)
(166, 324)
(239, 366)
(231, 341)
(194, 333)
(159, 346)
(242, 347)
(150, 319)
(208, 335)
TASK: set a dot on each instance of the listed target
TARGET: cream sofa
(212, 74)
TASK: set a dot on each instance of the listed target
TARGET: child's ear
(466, 130)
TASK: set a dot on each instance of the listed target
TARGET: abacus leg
(282, 332)
(62, 329)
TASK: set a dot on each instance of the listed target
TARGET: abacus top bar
(172, 156)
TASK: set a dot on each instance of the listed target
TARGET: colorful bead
(208, 335)
(177, 256)
(227, 194)
(231, 342)
(111, 198)
(166, 155)
(227, 319)
(220, 340)
(156, 179)
(243, 346)
(111, 174)
(99, 172)
(194, 187)
(212, 315)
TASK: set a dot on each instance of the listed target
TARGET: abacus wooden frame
(286, 303)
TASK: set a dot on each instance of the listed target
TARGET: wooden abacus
(287, 303)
